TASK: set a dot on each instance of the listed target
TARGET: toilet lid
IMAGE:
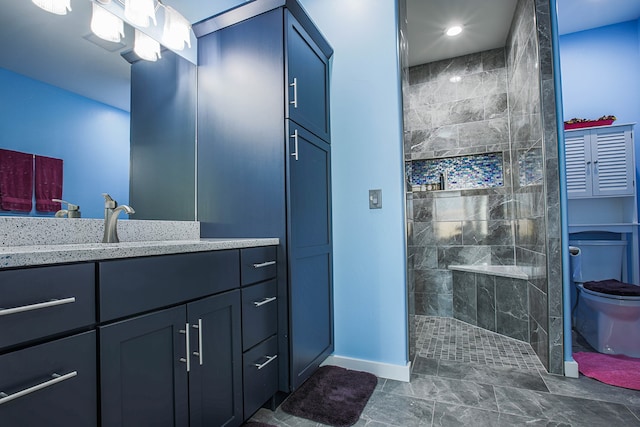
(613, 287)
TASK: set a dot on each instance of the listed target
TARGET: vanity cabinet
(264, 161)
(600, 162)
(181, 363)
(47, 366)
(259, 327)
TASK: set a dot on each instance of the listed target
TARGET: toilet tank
(601, 259)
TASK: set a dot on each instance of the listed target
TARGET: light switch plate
(375, 199)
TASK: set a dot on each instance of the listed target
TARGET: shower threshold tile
(594, 389)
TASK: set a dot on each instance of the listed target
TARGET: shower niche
(456, 173)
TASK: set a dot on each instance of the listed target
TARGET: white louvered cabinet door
(600, 162)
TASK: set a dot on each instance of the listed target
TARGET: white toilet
(610, 323)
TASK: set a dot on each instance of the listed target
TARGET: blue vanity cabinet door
(310, 253)
(66, 371)
(307, 76)
(143, 382)
(215, 377)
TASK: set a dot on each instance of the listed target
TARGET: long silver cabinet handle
(186, 359)
(56, 378)
(37, 306)
(269, 360)
(295, 144)
(264, 264)
(264, 301)
(199, 352)
(294, 85)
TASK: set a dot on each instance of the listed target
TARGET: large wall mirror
(67, 94)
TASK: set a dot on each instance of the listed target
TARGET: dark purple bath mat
(332, 395)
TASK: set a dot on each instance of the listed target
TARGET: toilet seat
(613, 288)
(609, 296)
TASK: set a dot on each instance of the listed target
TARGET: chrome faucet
(72, 211)
(111, 212)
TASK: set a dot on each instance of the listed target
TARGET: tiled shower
(484, 124)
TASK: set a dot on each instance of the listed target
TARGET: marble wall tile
(465, 297)
(495, 106)
(499, 233)
(444, 91)
(556, 347)
(486, 301)
(538, 306)
(539, 341)
(448, 233)
(494, 131)
(424, 257)
(434, 281)
(494, 82)
(449, 209)
(470, 86)
(419, 74)
(512, 308)
(423, 209)
(554, 268)
(503, 255)
(492, 59)
(428, 304)
(422, 234)
(461, 65)
(448, 255)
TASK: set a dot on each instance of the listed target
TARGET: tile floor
(461, 377)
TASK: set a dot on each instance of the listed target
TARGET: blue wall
(600, 70)
(92, 138)
(369, 245)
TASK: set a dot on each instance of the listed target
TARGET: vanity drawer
(258, 264)
(259, 313)
(42, 301)
(52, 384)
(131, 286)
(260, 369)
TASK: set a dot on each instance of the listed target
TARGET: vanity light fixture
(453, 31)
(59, 7)
(146, 47)
(176, 29)
(106, 25)
(140, 12)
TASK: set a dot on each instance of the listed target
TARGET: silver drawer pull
(37, 306)
(186, 358)
(264, 264)
(264, 301)
(269, 360)
(4, 398)
(198, 353)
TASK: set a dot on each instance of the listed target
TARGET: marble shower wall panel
(458, 106)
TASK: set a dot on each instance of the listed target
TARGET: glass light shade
(177, 30)
(146, 47)
(59, 7)
(106, 25)
(453, 30)
(139, 12)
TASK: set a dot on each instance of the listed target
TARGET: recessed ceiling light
(453, 30)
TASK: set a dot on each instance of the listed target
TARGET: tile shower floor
(466, 376)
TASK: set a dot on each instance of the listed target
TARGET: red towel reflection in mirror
(48, 183)
(16, 181)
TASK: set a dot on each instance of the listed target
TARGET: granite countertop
(22, 256)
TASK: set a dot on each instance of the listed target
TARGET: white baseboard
(380, 370)
(571, 369)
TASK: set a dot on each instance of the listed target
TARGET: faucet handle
(109, 203)
(72, 211)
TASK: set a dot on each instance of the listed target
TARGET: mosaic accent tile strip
(530, 167)
(465, 172)
(451, 339)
